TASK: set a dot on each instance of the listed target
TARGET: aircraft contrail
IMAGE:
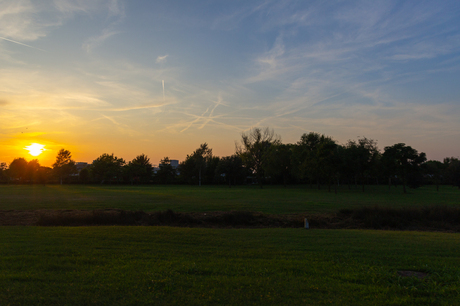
(163, 83)
(19, 43)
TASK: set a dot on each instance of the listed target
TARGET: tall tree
(108, 167)
(64, 165)
(362, 157)
(405, 162)
(328, 161)
(18, 169)
(3, 172)
(194, 166)
(254, 149)
(279, 162)
(231, 169)
(33, 171)
(452, 171)
(433, 169)
(84, 175)
(140, 169)
(316, 157)
(166, 173)
(43, 174)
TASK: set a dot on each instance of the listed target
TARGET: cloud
(116, 8)
(232, 20)
(95, 41)
(161, 59)
(3, 102)
(145, 106)
(19, 22)
(113, 7)
(19, 43)
(26, 20)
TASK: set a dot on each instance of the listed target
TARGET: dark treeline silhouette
(260, 158)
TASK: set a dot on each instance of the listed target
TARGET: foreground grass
(271, 199)
(180, 266)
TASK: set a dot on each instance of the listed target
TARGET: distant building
(174, 163)
(81, 165)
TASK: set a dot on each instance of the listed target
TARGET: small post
(307, 226)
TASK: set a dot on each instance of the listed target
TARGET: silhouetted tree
(210, 170)
(107, 168)
(32, 172)
(194, 166)
(84, 175)
(405, 162)
(3, 172)
(140, 169)
(254, 149)
(43, 174)
(328, 161)
(166, 174)
(279, 162)
(18, 169)
(433, 169)
(64, 165)
(316, 156)
(231, 169)
(452, 171)
(361, 157)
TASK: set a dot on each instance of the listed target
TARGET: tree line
(260, 158)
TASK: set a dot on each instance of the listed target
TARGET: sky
(162, 77)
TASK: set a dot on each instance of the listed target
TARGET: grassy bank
(177, 266)
(271, 199)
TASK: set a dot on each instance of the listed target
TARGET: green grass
(271, 199)
(179, 266)
(182, 266)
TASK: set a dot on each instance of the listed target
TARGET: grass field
(180, 266)
(271, 199)
(122, 265)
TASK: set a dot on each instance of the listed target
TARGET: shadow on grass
(435, 218)
(165, 218)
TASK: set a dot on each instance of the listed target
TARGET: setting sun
(35, 149)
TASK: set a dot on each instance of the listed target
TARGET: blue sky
(162, 77)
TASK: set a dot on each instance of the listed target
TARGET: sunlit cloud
(145, 106)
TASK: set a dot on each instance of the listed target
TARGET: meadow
(270, 199)
(145, 265)
(180, 266)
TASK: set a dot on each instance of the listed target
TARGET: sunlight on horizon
(35, 149)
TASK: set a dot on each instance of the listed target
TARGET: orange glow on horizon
(35, 149)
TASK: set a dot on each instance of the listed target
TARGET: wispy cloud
(116, 8)
(96, 41)
(145, 106)
(19, 43)
(27, 20)
(161, 59)
(19, 22)
(116, 13)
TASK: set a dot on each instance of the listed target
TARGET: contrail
(163, 83)
(19, 43)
